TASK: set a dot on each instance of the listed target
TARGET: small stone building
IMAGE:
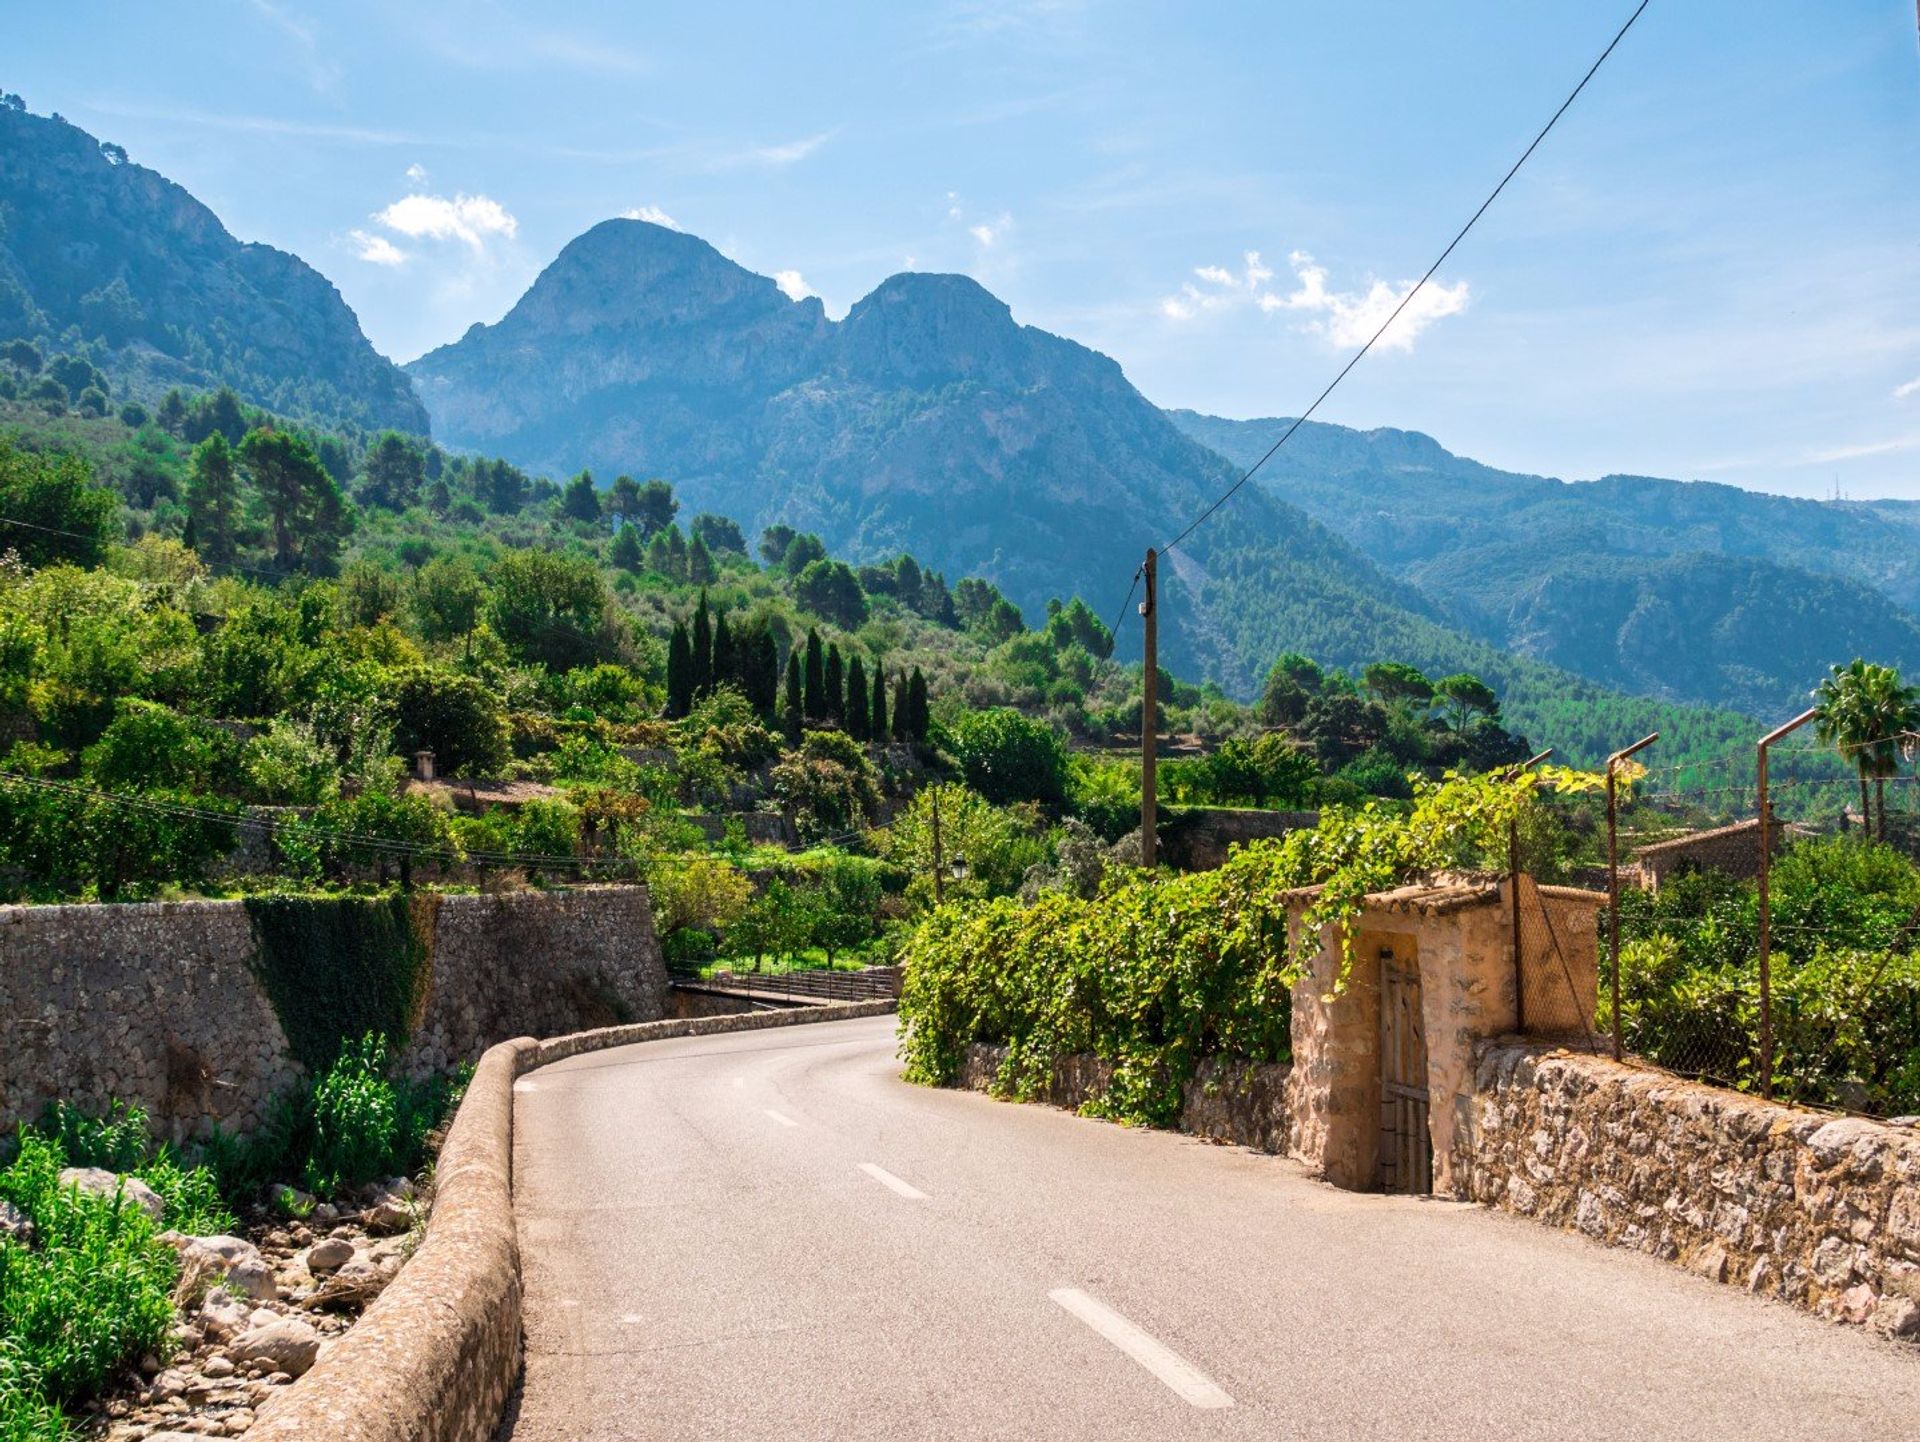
(1383, 1064)
(1732, 850)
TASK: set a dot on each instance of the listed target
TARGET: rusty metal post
(1513, 905)
(1513, 898)
(1613, 875)
(1150, 715)
(1766, 908)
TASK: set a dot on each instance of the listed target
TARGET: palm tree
(1869, 716)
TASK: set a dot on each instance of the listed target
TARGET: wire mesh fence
(1782, 958)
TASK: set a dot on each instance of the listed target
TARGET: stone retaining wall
(1240, 1102)
(1820, 1211)
(157, 1003)
(436, 1356)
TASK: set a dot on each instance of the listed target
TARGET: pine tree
(792, 717)
(625, 551)
(816, 680)
(659, 558)
(701, 570)
(676, 554)
(902, 713)
(857, 699)
(726, 663)
(877, 722)
(836, 678)
(679, 672)
(702, 649)
(918, 717)
(213, 498)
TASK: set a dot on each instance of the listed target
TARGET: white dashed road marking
(782, 1118)
(888, 1180)
(1187, 1381)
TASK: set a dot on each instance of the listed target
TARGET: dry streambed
(256, 1311)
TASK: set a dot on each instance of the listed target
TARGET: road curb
(436, 1356)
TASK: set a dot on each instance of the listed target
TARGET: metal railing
(805, 987)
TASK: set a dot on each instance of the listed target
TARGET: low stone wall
(437, 1354)
(159, 1003)
(1820, 1211)
(1240, 1102)
(1197, 838)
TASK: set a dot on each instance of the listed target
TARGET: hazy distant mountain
(1698, 592)
(927, 420)
(95, 249)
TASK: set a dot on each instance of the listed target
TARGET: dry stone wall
(1820, 1211)
(158, 1003)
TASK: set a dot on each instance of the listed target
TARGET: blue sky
(1712, 269)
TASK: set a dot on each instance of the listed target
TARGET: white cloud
(1345, 318)
(417, 174)
(993, 231)
(471, 219)
(376, 249)
(788, 153)
(1912, 387)
(792, 285)
(652, 214)
(1861, 450)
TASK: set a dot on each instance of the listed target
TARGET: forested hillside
(1687, 591)
(105, 259)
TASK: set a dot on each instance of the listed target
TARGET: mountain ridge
(97, 249)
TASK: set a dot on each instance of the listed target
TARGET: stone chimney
(423, 765)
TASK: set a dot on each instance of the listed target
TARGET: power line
(1418, 285)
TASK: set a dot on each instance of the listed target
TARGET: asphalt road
(769, 1235)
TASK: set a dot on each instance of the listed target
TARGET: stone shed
(1383, 1063)
(1733, 850)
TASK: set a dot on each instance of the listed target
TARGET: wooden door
(1406, 1141)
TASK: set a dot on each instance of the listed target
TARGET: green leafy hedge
(1159, 972)
(341, 968)
(1154, 975)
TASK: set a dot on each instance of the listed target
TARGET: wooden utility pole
(1613, 875)
(1150, 713)
(939, 862)
(1766, 911)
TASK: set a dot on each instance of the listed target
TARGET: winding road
(770, 1235)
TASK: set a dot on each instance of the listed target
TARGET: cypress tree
(816, 680)
(679, 673)
(917, 706)
(676, 554)
(726, 661)
(766, 693)
(792, 717)
(877, 722)
(702, 649)
(700, 567)
(857, 699)
(836, 683)
(188, 536)
(902, 714)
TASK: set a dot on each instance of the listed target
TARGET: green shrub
(92, 1292)
(25, 1413)
(360, 1125)
(1154, 975)
(355, 1119)
(1008, 757)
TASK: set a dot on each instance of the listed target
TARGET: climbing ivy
(341, 968)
